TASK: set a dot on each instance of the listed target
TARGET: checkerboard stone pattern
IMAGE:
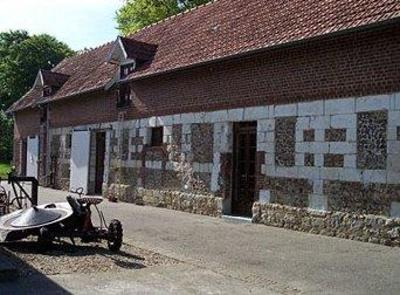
(202, 142)
(372, 140)
(343, 143)
(335, 134)
(285, 141)
(318, 154)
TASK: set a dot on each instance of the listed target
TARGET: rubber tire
(45, 238)
(115, 234)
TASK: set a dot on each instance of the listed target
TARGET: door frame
(252, 125)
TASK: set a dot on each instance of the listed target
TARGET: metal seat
(76, 207)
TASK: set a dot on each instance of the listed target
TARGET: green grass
(4, 169)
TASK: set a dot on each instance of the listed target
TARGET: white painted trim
(121, 59)
(122, 47)
(38, 79)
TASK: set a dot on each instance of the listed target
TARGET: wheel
(45, 238)
(115, 234)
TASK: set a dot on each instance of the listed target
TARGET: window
(157, 136)
(124, 95)
(47, 91)
(126, 69)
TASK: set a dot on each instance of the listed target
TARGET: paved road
(230, 257)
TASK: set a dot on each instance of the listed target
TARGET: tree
(21, 56)
(136, 14)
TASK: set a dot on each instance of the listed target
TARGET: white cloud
(79, 23)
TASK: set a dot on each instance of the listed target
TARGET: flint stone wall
(181, 201)
(360, 227)
(59, 161)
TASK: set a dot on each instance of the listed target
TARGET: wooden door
(80, 152)
(32, 156)
(100, 154)
(244, 168)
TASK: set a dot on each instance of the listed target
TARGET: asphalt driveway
(225, 257)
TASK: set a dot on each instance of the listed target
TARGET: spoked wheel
(45, 238)
(3, 195)
(115, 234)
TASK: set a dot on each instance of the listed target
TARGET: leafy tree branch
(136, 14)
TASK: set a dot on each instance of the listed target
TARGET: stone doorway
(244, 168)
(100, 156)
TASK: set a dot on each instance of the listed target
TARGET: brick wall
(84, 109)
(27, 123)
(354, 65)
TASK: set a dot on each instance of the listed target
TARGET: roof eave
(56, 99)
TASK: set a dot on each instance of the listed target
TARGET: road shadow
(62, 251)
(35, 283)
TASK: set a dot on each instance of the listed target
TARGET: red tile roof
(225, 28)
(230, 27)
(87, 72)
(28, 100)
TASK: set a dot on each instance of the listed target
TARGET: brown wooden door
(100, 154)
(244, 167)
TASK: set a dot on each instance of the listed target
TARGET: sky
(79, 23)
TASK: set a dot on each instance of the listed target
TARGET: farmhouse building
(287, 112)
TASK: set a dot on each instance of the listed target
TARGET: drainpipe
(44, 147)
(47, 159)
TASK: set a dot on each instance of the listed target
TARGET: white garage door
(32, 156)
(80, 148)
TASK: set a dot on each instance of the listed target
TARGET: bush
(6, 138)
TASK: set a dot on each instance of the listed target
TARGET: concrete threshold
(237, 218)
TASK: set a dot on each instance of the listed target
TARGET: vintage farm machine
(21, 198)
(51, 222)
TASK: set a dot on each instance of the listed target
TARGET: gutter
(92, 90)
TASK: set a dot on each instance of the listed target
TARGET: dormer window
(124, 95)
(49, 82)
(126, 69)
(47, 91)
(129, 54)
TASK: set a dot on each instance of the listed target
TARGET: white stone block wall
(337, 113)
(317, 115)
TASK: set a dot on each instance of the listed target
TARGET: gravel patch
(64, 258)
